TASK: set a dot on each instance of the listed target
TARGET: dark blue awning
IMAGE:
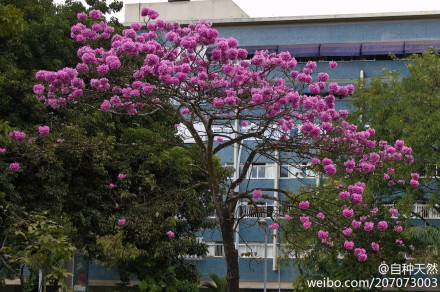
(342, 49)
(306, 50)
(421, 46)
(251, 49)
(382, 48)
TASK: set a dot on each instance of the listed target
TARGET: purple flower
(144, 11)
(304, 219)
(348, 213)
(327, 161)
(330, 169)
(122, 176)
(347, 231)
(356, 224)
(393, 211)
(274, 226)
(414, 183)
(368, 226)
(102, 69)
(170, 234)
(333, 64)
(112, 186)
(121, 222)
(382, 225)
(316, 161)
(218, 103)
(2, 150)
(136, 26)
(307, 224)
(356, 198)
(348, 245)
(323, 234)
(43, 130)
(106, 105)
(256, 194)
(95, 14)
(344, 195)
(304, 204)
(362, 257)
(398, 228)
(359, 251)
(415, 176)
(81, 16)
(153, 14)
(16, 135)
(287, 217)
(323, 77)
(14, 166)
(320, 215)
(375, 246)
(38, 89)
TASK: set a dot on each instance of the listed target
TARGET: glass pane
(262, 171)
(295, 172)
(270, 170)
(254, 171)
(284, 171)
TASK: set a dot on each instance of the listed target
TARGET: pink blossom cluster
(44, 130)
(80, 33)
(305, 221)
(256, 194)
(304, 204)
(17, 135)
(14, 166)
(361, 254)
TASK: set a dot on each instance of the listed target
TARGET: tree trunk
(231, 254)
(22, 279)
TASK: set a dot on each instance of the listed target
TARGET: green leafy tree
(69, 178)
(408, 107)
(11, 21)
(40, 244)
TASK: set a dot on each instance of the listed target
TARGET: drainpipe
(276, 212)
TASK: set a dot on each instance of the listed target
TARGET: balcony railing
(264, 211)
(427, 213)
(422, 209)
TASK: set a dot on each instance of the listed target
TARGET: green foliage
(11, 21)
(40, 243)
(4, 130)
(220, 283)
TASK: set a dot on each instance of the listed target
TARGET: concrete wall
(187, 11)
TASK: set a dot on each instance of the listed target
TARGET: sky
(261, 8)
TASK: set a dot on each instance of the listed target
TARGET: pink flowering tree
(223, 100)
(369, 230)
